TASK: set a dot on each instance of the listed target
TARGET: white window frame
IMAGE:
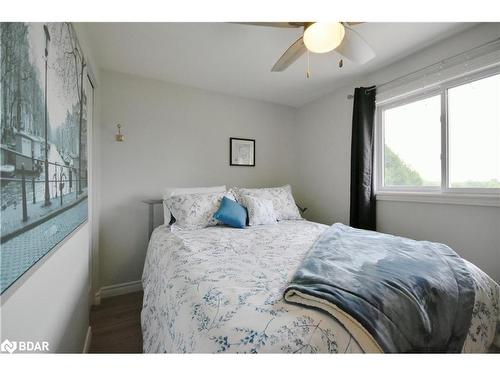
(438, 194)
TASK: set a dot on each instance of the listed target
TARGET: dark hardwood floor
(116, 325)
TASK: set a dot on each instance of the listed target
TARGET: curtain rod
(441, 62)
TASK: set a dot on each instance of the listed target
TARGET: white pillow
(194, 211)
(260, 210)
(168, 192)
(282, 198)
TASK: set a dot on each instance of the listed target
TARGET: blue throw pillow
(231, 213)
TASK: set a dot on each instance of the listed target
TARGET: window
(412, 145)
(445, 140)
(474, 134)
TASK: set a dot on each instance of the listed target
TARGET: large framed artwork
(43, 124)
(242, 152)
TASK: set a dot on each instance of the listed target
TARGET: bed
(220, 290)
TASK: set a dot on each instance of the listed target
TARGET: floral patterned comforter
(220, 289)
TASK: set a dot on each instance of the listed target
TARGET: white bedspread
(220, 289)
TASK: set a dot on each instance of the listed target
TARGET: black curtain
(363, 201)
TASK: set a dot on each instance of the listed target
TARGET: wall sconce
(119, 137)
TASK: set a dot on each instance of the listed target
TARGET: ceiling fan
(321, 37)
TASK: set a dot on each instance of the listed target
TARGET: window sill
(492, 200)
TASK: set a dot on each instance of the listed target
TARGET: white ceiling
(236, 59)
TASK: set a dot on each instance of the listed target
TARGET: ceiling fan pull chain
(308, 73)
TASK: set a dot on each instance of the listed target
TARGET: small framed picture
(242, 152)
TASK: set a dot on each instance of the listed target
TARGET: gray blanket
(411, 296)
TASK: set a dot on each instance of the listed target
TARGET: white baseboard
(97, 297)
(117, 290)
(88, 339)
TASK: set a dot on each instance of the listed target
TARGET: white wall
(323, 136)
(52, 302)
(324, 141)
(94, 157)
(175, 136)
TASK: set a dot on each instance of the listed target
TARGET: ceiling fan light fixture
(322, 37)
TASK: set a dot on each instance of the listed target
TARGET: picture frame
(241, 152)
(45, 155)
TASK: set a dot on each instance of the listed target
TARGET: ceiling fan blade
(297, 49)
(352, 23)
(355, 48)
(274, 24)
